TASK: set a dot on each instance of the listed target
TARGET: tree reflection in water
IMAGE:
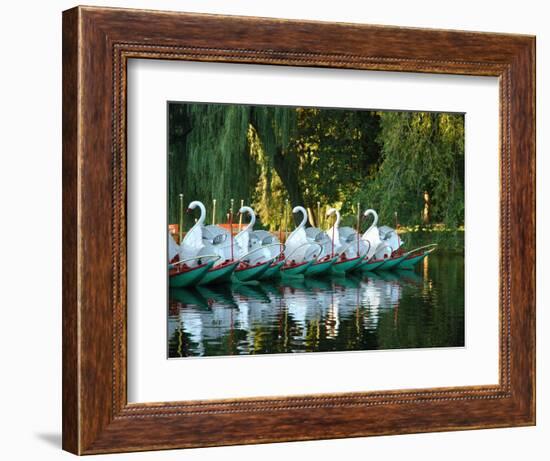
(391, 310)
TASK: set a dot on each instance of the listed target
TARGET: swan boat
(300, 252)
(325, 260)
(346, 244)
(316, 236)
(412, 258)
(260, 252)
(213, 240)
(399, 259)
(385, 250)
(187, 267)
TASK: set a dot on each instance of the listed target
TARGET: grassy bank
(451, 240)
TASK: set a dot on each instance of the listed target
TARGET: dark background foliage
(409, 166)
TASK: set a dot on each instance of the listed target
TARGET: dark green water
(389, 310)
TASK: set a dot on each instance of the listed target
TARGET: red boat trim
(375, 261)
(323, 262)
(250, 267)
(179, 272)
(295, 265)
(222, 266)
(414, 255)
(348, 260)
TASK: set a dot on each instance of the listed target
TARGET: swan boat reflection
(288, 315)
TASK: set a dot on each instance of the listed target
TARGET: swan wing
(173, 247)
(192, 243)
(243, 241)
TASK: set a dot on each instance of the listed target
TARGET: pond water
(386, 310)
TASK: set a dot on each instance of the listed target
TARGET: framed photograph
(281, 230)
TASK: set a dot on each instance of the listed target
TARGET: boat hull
(190, 277)
(372, 265)
(341, 267)
(299, 269)
(250, 273)
(362, 264)
(219, 274)
(320, 268)
(409, 263)
(273, 271)
(391, 263)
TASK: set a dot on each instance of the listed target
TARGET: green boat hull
(191, 277)
(250, 273)
(409, 263)
(362, 264)
(219, 274)
(296, 270)
(320, 268)
(342, 267)
(390, 264)
(372, 265)
(273, 271)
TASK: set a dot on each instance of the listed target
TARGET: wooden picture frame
(97, 43)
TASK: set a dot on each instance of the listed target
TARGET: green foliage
(336, 151)
(215, 153)
(421, 152)
(270, 197)
(274, 158)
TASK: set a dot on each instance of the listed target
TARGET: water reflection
(422, 308)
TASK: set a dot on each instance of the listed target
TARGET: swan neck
(304, 219)
(201, 219)
(302, 210)
(374, 221)
(338, 218)
(250, 225)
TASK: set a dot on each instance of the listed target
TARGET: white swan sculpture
(300, 253)
(346, 244)
(256, 245)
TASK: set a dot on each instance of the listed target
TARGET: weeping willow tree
(209, 158)
(274, 158)
(421, 167)
(309, 156)
(226, 152)
(270, 199)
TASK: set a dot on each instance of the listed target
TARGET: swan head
(246, 209)
(194, 204)
(301, 209)
(250, 211)
(374, 214)
(331, 211)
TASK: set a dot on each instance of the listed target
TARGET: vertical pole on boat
(181, 219)
(358, 221)
(241, 216)
(281, 225)
(319, 215)
(214, 211)
(332, 240)
(231, 226)
(286, 218)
